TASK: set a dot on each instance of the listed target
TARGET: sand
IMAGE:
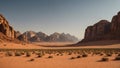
(57, 61)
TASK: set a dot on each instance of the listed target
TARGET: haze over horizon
(49, 16)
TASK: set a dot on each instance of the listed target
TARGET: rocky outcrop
(6, 29)
(97, 31)
(103, 30)
(115, 26)
(23, 38)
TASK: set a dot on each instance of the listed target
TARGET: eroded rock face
(104, 30)
(5, 28)
(23, 38)
(115, 26)
(97, 31)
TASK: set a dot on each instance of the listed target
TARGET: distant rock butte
(6, 29)
(103, 30)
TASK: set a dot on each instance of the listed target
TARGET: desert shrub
(118, 54)
(108, 54)
(101, 54)
(50, 56)
(78, 56)
(104, 59)
(28, 54)
(84, 55)
(17, 54)
(32, 60)
(57, 54)
(72, 58)
(9, 53)
(69, 53)
(23, 53)
(39, 55)
(5, 44)
(117, 58)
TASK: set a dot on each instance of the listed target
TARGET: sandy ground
(40, 46)
(57, 62)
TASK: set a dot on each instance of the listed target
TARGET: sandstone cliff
(103, 30)
(6, 29)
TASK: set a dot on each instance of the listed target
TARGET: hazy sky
(49, 16)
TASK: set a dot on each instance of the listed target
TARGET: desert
(59, 34)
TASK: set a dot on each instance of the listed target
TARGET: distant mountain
(42, 37)
(57, 37)
(103, 30)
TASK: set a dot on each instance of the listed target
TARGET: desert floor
(63, 61)
(57, 62)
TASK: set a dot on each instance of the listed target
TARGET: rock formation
(103, 30)
(6, 29)
(115, 26)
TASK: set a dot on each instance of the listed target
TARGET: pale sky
(49, 16)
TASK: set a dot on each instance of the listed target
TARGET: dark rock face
(6, 29)
(97, 31)
(103, 30)
(115, 26)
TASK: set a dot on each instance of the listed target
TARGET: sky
(49, 16)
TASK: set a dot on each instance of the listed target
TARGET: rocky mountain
(42, 37)
(103, 30)
(6, 31)
(18, 33)
(57, 37)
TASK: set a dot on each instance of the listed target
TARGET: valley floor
(57, 61)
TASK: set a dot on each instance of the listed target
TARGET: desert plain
(37, 55)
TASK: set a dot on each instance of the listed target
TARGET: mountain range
(42, 37)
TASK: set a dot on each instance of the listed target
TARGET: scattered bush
(17, 54)
(104, 59)
(72, 58)
(32, 59)
(9, 53)
(78, 56)
(118, 54)
(84, 55)
(50, 56)
(108, 54)
(117, 58)
(28, 54)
